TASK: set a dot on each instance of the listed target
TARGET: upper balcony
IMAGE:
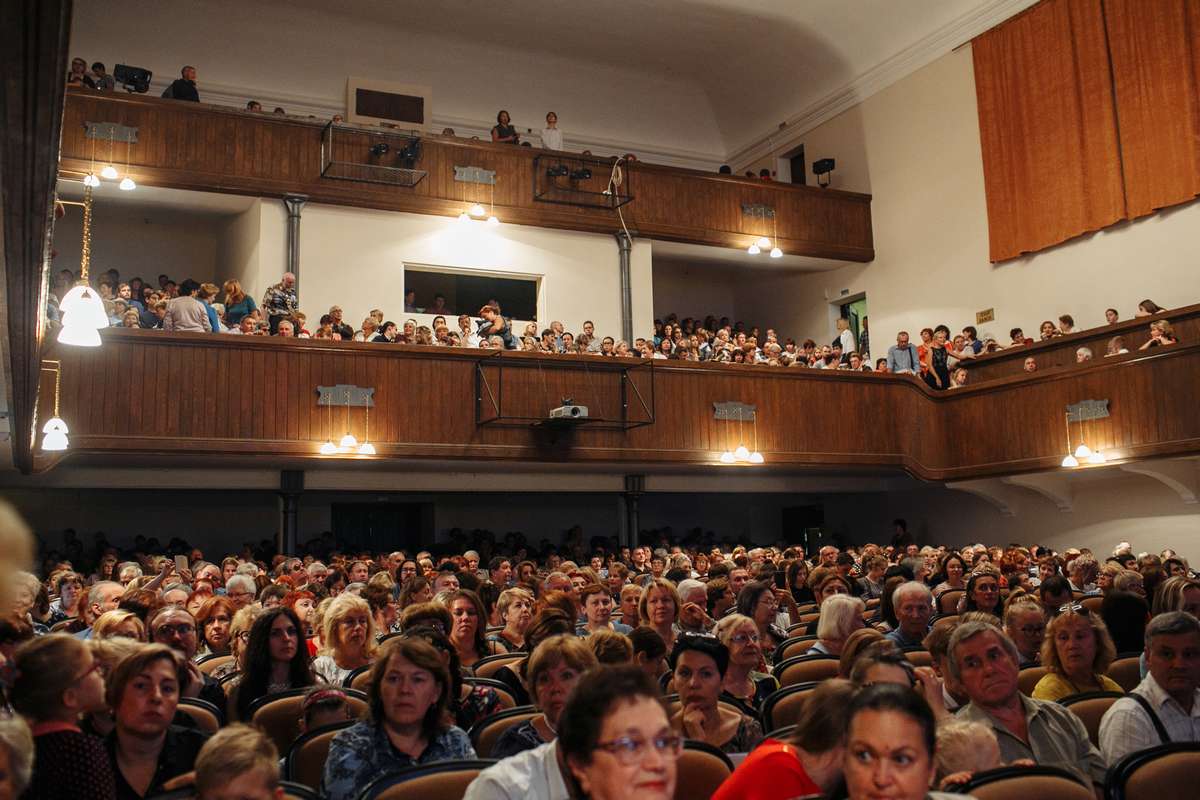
(203, 147)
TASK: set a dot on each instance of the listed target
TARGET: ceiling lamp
(492, 220)
(82, 309)
(727, 457)
(764, 242)
(754, 249)
(464, 217)
(366, 448)
(776, 252)
(109, 173)
(127, 184)
(1097, 457)
(348, 441)
(90, 180)
(756, 457)
(1070, 461)
(55, 431)
(329, 448)
(476, 210)
(1083, 451)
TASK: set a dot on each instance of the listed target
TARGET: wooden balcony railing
(203, 147)
(146, 392)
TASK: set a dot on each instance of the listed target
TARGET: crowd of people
(99, 651)
(937, 358)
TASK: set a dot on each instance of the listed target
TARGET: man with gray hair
(241, 590)
(913, 603)
(103, 596)
(693, 598)
(1165, 706)
(983, 662)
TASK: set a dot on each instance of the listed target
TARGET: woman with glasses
(57, 679)
(276, 660)
(983, 592)
(743, 680)
(239, 636)
(757, 601)
(1025, 624)
(554, 670)
(406, 724)
(348, 638)
(616, 744)
(516, 612)
(1077, 650)
(808, 763)
(698, 664)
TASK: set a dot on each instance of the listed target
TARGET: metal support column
(291, 486)
(625, 247)
(294, 203)
(635, 485)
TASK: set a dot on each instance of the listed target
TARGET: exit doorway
(856, 313)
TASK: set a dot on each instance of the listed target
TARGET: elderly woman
(890, 745)
(841, 615)
(347, 638)
(698, 664)
(1077, 650)
(146, 749)
(16, 756)
(554, 669)
(808, 763)
(119, 623)
(409, 693)
(658, 609)
(743, 681)
(69, 586)
(276, 660)
(57, 679)
(212, 621)
(468, 628)
(757, 601)
(516, 612)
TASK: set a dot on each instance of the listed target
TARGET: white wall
(355, 258)
(300, 58)
(238, 248)
(915, 147)
(141, 241)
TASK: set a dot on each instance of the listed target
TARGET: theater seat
(278, 715)
(485, 733)
(802, 669)
(793, 646)
(207, 717)
(947, 601)
(486, 667)
(359, 678)
(1026, 783)
(1092, 602)
(1090, 708)
(210, 664)
(1163, 772)
(702, 768)
(442, 780)
(919, 656)
(502, 691)
(305, 760)
(1028, 678)
(294, 791)
(1126, 671)
(784, 706)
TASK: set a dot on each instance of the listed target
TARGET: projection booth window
(466, 294)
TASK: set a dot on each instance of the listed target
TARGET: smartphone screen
(180, 564)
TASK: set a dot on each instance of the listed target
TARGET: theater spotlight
(581, 174)
(132, 79)
(379, 149)
(557, 171)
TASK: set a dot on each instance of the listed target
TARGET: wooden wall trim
(152, 393)
(202, 147)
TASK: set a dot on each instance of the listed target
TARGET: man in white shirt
(552, 138)
(535, 774)
(1171, 689)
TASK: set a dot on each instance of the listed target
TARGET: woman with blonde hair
(347, 638)
(1161, 335)
(1076, 651)
(1179, 593)
(658, 609)
(743, 679)
(516, 612)
(119, 622)
(841, 615)
(238, 304)
(239, 634)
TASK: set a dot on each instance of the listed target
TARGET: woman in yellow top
(1077, 650)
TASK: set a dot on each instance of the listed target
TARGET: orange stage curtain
(1047, 123)
(1155, 50)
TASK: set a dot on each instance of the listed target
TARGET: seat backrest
(1028, 678)
(784, 706)
(1127, 672)
(802, 669)
(206, 716)
(486, 732)
(919, 657)
(442, 780)
(211, 664)
(294, 791)
(807, 617)
(1093, 602)
(278, 716)
(487, 667)
(359, 678)
(793, 646)
(1090, 708)
(305, 761)
(701, 769)
(1162, 772)
(948, 601)
(502, 691)
(1019, 783)
(948, 620)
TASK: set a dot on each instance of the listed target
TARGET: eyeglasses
(182, 629)
(629, 750)
(1032, 630)
(745, 638)
(95, 666)
(243, 637)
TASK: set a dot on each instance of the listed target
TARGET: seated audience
(554, 670)
(516, 612)
(238, 762)
(658, 609)
(406, 724)
(1025, 624)
(1077, 649)
(347, 639)
(841, 615)
(698, 665)
(743, 679)
(913, 603)
(887, 727)
(469, 628)
(276, 660)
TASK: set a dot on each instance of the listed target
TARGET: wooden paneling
(1060, 351)
(195, 394)
(198, 146)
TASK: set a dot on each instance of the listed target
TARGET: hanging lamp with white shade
(82, 309)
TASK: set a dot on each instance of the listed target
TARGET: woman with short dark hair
(698, 664)
(891, 741)
(409, 693)
(757, 601)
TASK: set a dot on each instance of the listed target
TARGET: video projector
(568, 410)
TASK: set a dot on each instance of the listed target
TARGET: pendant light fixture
(127, 184)
(1096, 456)
(54, 432)
(741, 453)
(727, 455)
(348, 441)
(90, 179)
(366, 448)
(1082, 451)
(109, 173)
(82, 309)
(775, 251)
(1070, 460)
(757, 245)
(329, 448)
(492, 220)
(756, 457)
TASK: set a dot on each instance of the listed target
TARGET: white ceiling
(759, 62)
